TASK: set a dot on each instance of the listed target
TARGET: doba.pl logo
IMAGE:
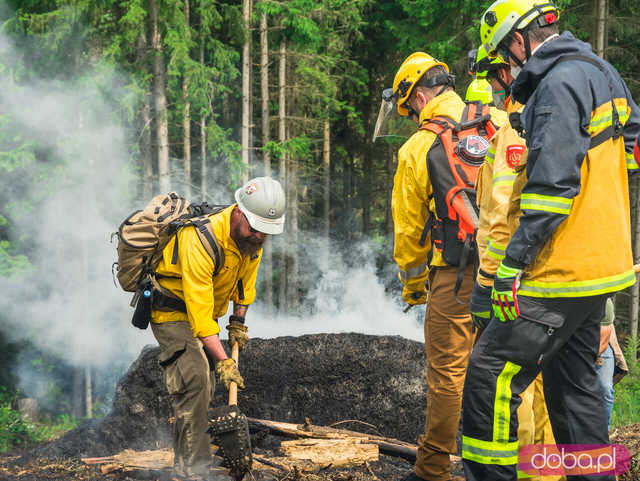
(574, 459)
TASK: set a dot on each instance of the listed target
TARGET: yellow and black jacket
(412, 200)
(192, 280)
(507, 153)
(574, 236)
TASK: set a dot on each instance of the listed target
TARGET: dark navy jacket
(563, 109)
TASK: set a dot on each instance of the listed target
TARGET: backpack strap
(206, 235)
(437, 125)
(615, 129)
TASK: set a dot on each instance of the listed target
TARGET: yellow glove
(414, 297)
(227, 372)
(237, 333)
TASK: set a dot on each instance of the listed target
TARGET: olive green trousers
(190, 383)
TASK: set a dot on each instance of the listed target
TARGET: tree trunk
(88, 397)
(282, 137)
(601, 27)
(267, 255)
(76, 395)
(326, 177)
(392, 161)
(246, 88)
(160, 100)
(293, 296)
(186, 119)
(144, 144)
(365, 196)
(203, 129)
(146, 155)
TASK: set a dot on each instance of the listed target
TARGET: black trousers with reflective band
(558, 336)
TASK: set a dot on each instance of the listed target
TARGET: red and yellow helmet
(506, 16)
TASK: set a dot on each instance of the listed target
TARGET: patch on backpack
(514, 155)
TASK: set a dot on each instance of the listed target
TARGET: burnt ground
(328, 378)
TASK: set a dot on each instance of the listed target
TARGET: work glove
(228, 372)
(238, 333)
(480, 306)
(504, 294)
(414, 297)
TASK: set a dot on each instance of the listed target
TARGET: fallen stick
(102, 460)
(390, 446)
(271, 463)
(110, 468)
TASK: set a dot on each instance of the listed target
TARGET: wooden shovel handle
(233, 387)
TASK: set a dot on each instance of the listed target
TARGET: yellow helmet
(483, 64)
(506, 16)
(412, 70)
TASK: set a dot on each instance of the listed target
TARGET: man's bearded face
(248, 240)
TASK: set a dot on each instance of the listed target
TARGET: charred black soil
(327, 378)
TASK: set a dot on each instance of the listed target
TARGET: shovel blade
(229, 429)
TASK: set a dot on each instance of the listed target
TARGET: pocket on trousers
(168, 359)
(525, 339)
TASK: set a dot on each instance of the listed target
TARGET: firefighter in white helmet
(187, 329)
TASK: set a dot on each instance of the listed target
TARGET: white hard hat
(262, 201)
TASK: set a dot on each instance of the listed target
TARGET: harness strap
(615, 129)
(431, 221)
(464, 258)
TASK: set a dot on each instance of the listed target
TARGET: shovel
(229, 430)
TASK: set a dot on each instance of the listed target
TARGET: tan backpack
(141, 239)
(144, 234)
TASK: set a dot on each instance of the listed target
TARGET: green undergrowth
(626, 404)
(17, 432)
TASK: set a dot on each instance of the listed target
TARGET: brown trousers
(190, 384)
(448, 337)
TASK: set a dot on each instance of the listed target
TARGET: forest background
(108, 102)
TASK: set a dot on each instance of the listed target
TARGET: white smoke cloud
(72, 199)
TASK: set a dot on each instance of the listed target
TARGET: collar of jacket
(447, 104)
(541, 62)
(222, 227)
(514, 106)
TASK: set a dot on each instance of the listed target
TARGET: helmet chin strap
(502, 83)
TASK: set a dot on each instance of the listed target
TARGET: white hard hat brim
(266, 226)
(261, 224)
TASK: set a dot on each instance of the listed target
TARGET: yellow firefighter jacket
(495, 186)
(207, 297)
(412, 197)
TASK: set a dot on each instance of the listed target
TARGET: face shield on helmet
(408, 75)
(388, 123)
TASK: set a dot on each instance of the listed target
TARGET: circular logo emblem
(251, 188)
(272, 212)
(472, 149)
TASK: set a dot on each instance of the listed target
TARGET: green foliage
(11, 264)
(626, 404)
(16, 432)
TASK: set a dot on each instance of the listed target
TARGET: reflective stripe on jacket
(506, 152)
(207, 297)
(574, 235)
(412, 199)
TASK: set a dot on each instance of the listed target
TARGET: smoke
(69, 187)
